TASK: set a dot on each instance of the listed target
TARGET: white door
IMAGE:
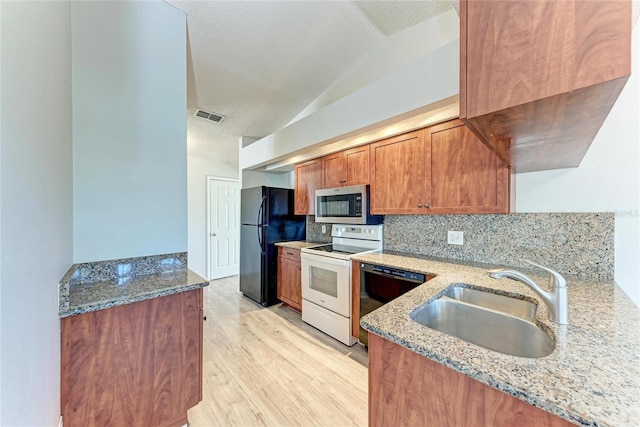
(223, 227)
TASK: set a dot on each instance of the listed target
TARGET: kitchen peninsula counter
(95, 286)
(131, 341)
(591, 378)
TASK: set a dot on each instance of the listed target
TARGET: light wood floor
(264, 366)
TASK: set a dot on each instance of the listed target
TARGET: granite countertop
(95, 286)
(591, 378)
(299, 244)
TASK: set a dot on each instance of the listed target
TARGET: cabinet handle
(426, 205)
(419, 205)
(289, 253)
(204, 318)
(343, 181)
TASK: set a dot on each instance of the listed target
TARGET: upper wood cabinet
(308, 178)
(466, 176)
(400, 167)
(538, 78)
(349, 167)
(441, 169)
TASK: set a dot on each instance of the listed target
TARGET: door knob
(419, 205)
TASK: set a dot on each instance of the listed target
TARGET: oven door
(326, 282)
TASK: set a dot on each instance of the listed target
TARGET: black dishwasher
(380, 284)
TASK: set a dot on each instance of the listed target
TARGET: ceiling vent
(209, 116)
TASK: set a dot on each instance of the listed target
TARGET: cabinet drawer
(292, 254)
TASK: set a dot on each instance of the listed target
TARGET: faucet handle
(557, 280)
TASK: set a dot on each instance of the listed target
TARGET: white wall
(129, 129)
(35, 205)
(394, 53)
(199, 168)
(607, 180)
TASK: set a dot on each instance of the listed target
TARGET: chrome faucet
(556, 299)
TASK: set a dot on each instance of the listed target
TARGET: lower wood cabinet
(407, 389)
(138, 364)
(290, 277)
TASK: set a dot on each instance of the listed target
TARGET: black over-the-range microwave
(345, 205)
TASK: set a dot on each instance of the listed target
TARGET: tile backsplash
(314, 230)
(579, 244)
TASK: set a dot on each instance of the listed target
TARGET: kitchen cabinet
(348, 167)
(438, 170)
(290, 277)
(308, 178)
(138, 364)
(538, 78)
(406, 388)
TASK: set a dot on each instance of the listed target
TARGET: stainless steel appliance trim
(354, 189)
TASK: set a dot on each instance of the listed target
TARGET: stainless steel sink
(516, 307)
(488, 328)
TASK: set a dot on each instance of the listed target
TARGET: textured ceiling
(260, 63)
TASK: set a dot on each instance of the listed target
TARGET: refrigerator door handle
(260, 209)
(260, 239)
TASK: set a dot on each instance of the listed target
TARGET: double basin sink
(496, 322)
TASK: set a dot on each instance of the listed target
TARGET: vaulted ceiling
(259, 63)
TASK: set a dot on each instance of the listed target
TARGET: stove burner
(349, 250)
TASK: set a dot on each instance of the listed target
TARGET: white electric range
(326, 278)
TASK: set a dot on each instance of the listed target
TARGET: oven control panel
(365, 232)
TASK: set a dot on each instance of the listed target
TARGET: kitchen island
(591, 378)
(131, 342)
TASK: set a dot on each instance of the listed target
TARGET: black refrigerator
(266, 218)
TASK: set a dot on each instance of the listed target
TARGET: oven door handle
(324, 259)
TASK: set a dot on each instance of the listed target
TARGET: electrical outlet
(324, 229)
(455, 237)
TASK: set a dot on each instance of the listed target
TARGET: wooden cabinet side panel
(533, 57)
(602, 41)
(357, 165)
(466, 176)
(176, 350)
(406, 388)
(355, 299)
(398, 175)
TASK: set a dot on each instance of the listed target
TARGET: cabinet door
(289, 282)
(399, 167)
(357, 165)
(308, 177)
(466, 176)
(334, 173)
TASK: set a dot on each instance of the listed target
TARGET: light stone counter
(99, 285)
(591, 378)
(298, 244)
